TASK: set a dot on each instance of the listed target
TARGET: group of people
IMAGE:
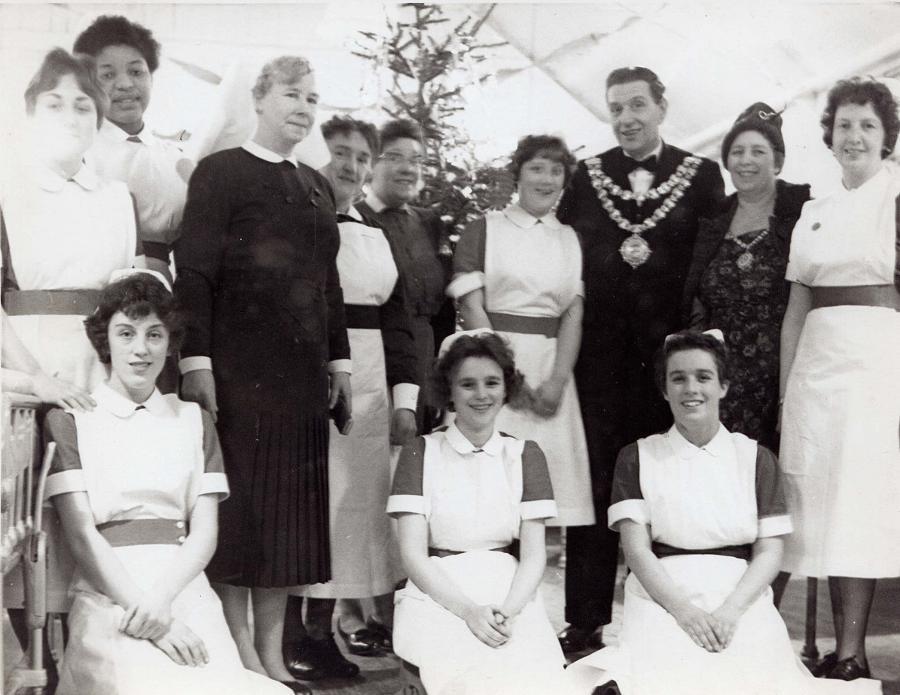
(604, 316)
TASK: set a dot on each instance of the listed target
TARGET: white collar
(718, 446)
(266, 154)
(52, 182)
(520, 217)
(355, 214)
(378, 205)
(111, 131)
(120, 406)
(656, 152)
(460, 444)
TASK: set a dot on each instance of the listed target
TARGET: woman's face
(540, 183)
(64, 121)
(693, 388)
(751, 162)
(857, 139)
(127, 81)
(396, 172)
(287, 112)
(350, 165)
(137, 351)
(477, 391)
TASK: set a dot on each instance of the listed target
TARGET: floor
(382, 676)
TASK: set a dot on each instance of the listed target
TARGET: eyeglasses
(395, 158)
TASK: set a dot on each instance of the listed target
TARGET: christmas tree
(431, 63)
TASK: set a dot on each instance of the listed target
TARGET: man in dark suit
(635, 208)
(414, 234)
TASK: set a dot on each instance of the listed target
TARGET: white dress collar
(460, 444)
(520, 217)
(266, 154)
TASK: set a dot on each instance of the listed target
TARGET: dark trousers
(619, 403)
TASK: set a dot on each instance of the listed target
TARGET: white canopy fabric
(715, 58)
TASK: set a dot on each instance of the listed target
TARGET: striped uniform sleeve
(214, 481)
(627, 500)
(407, 490)
(537, 490)
(65, 474)
(771, 506)
(468, 260)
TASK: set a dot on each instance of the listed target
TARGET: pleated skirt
(273, 529)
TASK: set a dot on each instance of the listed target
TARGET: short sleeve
(771, 507)
(214, 481)
(537, 490)
(407, 491)
(794, 270)
(65, 470)
(627, 500)
(468, 260)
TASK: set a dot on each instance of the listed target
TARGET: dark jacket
(789, 200)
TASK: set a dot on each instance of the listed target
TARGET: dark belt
(742, 552)
(535, 325)
(856, 295)
(362, 316)
(144, 532)
(50, 302)
(511, 549)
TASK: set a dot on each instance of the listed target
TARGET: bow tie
(650, 164)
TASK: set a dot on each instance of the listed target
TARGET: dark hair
(763, 119)
(115, 30)
(136, 296)
(284, 69)
(690, 340)
(637, 74)
(345, 125)
(487, 345)
(399, 129)
(861, 91)
(57, 64)
(549, 146)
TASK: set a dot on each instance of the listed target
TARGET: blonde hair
(285, 69)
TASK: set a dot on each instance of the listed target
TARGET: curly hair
(115, 30)
(546, 146)
(861, 91)
(690, 340)
(136, 296)
(488, 345)
(637, 74)
(345, 125)
(284, 69)
(398, 130)
(57, 64)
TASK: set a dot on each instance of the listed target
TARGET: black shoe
(576, 639)
(384, 633)
(324, 654)
(297, 687)
(362, 642)
(823, 668)
(608, 688)
(298, 663)
(849, 669)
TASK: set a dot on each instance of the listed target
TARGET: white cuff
(464, 283)
(192, 364)
(405, 396)
(60, 483)
(214, 483)
(780, 525)
(635, 510)
(340, 366)
(579, 292)
(538, 509)
(412, 504)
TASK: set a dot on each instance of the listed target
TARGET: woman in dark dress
(267, 353)
(736, 278)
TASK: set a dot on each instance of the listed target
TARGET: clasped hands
(151, 619)
(489, 623)
(545, 399)
(712, 631)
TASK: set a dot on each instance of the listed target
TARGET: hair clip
(453, 337)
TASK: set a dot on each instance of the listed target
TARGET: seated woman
(702, 514)
(471, 617)
(136, 483)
